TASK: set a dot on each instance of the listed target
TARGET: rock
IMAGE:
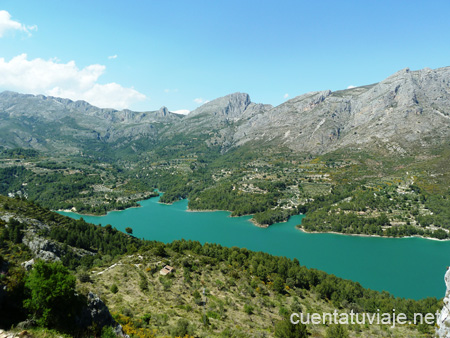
(46, 249)
(403, 110)
(443, 321)
(43, 248)
(28, 265)
(97, 312)
(26, 325)
(162, 112)
(230, 106)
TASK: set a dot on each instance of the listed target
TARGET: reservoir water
(406, 267)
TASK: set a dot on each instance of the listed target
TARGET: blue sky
(145, 54)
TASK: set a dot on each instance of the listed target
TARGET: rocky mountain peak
(162, 112)
(229, 106)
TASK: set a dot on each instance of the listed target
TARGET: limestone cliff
(443, 322)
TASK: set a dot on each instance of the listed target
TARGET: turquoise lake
(406, 267)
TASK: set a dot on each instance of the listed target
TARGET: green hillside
(213, 292)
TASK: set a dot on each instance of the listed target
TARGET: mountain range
(405, 112)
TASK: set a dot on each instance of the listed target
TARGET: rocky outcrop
(43, 248)
(97, 312)
(162, 112)
(443, 321)
(28, 265)
(47, 249)
(231, 106)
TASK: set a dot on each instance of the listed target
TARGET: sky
(142, 55)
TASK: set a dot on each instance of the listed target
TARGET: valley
(368, 161)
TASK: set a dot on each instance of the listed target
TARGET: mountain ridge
(407, 110)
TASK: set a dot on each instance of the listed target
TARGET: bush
(197, 297)
(182, 329)
(143, 283)
(337, 331)
(114, 289)
(108, 332)
(84, 277)
(248, 309)
(52, 294)
(285, 329)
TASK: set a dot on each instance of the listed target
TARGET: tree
(278, 285)
(129, 230)
(52, 297)
(285, 329)
(160, 250)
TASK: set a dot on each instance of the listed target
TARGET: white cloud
(112, 57)
(351, 87)
(200, 100)
(286, 95)
(6, 24)
(51, 77)
(182, 111)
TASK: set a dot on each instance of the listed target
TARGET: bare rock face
(162, 112)
(230, 106)
(443, 322)
(397, 113)
(97, 312)
(218, 114)
(42, 248)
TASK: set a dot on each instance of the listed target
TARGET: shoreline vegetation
(401, 204)
(265, 226)
(366, 235)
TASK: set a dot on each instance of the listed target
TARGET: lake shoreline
(365, 235)
(97, 215)
(333, 254)
(255, 223)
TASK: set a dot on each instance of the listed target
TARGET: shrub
(337, 331)
(52, 294)
(84, 277)
(182, 328)
(114, 289)
(285, 329)
(248, 309)
(108, 332)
